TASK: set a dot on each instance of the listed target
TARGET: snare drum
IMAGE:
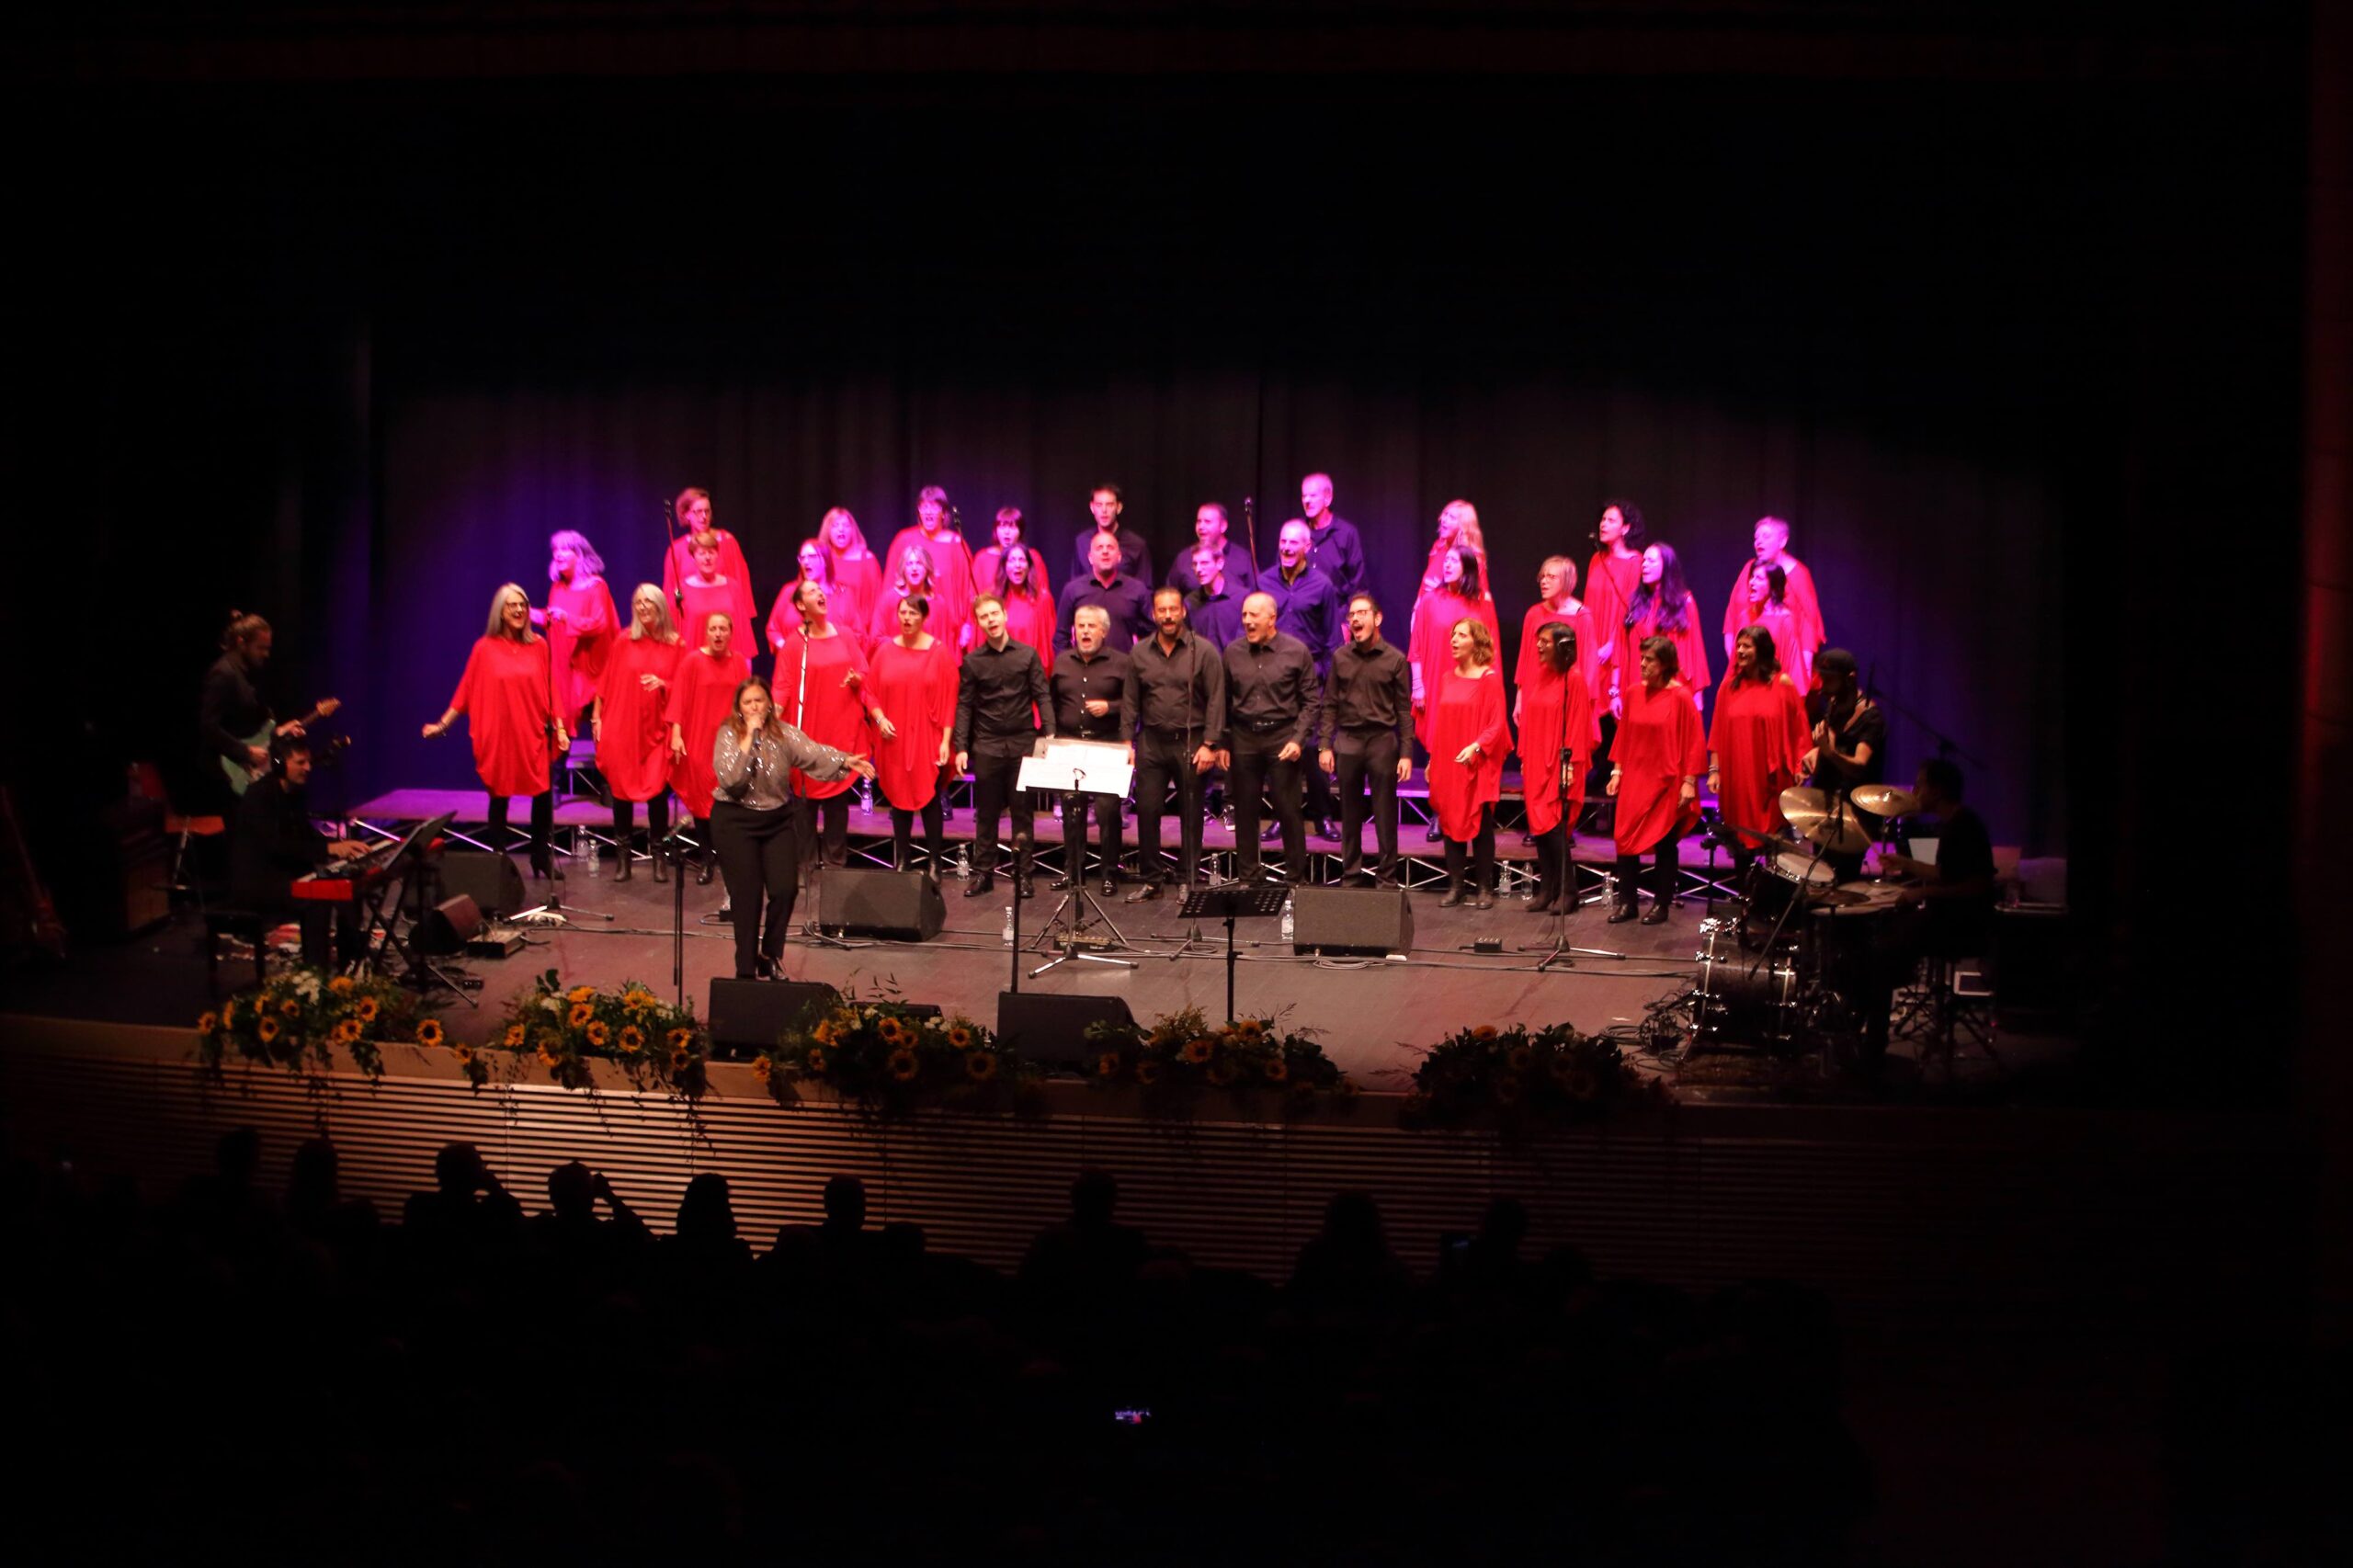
(1775, 882)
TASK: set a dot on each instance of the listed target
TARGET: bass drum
(1743, 1000)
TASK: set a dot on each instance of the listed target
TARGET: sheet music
(1072, 767)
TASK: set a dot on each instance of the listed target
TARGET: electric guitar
(242, 774)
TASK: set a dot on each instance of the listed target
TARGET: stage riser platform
(2119, 1218)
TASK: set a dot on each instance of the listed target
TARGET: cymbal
(1884, 799)
(1817, 820)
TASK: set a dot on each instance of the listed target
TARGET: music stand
(421, 973)
(1229, 904)
(1064, 766)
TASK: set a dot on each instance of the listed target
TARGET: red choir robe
(1659, 744)
(1797, 592)
(1031, 618)
(951, 576)
(784, 617)
(1610, 585)
(1579, 618)
(1554, 711)
(633, 735)
(858, 584)
(824, 708)
(1429, 648)
(1691, 650)
(581, 641)
(509, 714)
(679, 565)
(1788, 636)
(985, 570)
(703, 693)
(943, 622)
(1466, 709)
(915, 687)
(1758, 735)
(732, 598)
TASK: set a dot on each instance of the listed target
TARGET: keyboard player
(273, 842)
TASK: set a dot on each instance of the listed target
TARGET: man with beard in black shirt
(1002, 708)
(1368, 737)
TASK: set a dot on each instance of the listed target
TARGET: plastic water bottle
(595, 858)
(1286, 925)
(963, 862)
(1008, 925)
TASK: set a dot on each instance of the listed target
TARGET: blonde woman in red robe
(914, 581)
(914, 675)
(1008, 538)
(950, 587)
(820, 690)
(691, 511)
(703, 693)
(511, 715)
(1469, 740)
(1663, 607)
(1655, 777)
(1556, 740)
(579, 619)
(853, 570)
(710, 590)
(1557, 604)
(632, 738)
(1769, 543)
(1028, 608)
(784, 615)
(1461, 591)
(1458, 525)
(1756, 742)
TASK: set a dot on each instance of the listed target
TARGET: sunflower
(1197, 1050)
(981, 1065)
(681, 1059)
(229, 1013)
(902, 1064)
(289, 1008)
(581, 993)
(547, 1058)
(1252, 1029)
(680, 1039)
(634, 1040)
(1484, 1031)
(429, 1032)
(1221, 1073)
(888, 1029)
(1147, 1071)
(207, 1022)
(581, 1013)
(1276, 1070)
(815, 1062)
(637, 999)
(514, 1037)
(345, 1032)
(1107, 1064)
(1519, 1058)
(959, 1036)
(822, 1034)
(599, 1035)
(762, 1067)
(367, 1009)
(462, 1052)
(268, 1030)
(342, 985)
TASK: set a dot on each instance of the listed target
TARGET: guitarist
(232, 714)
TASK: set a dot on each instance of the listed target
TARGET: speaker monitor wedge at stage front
(1358, 922)
(748, 1015)
(490, 881)
(1045, 1027)
(903, 905)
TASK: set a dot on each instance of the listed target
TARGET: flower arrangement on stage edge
(298, 1019)
(564, 1031)
(1523, 1080)
(1183, 1054)
(889, 1058)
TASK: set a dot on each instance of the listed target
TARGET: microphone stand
(1559, 950)
(673, 847)
(552, 912)
(802, 803)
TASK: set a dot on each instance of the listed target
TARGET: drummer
(1956, 888)
(1849, 747)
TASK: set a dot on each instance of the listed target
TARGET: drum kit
(1788, 964)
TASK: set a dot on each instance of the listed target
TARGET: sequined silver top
(759, 776)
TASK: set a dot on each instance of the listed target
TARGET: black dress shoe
(982, 884)
(703, 874)
(1622, 914)
(1436, 834)
(1111, 887)
(1484, 901)
(1453, 899)
(1066, 882)
(1657, 913)
(1145, 893)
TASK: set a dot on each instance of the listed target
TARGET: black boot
(704, 867)
(626, 869)
(661, 867)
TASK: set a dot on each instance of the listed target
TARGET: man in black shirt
(1180, 719)
(1957, 888)
(1271, 698)
(1368, 737)
(1000, 701)
(1094, 689)
(1136, 557)
(1849, 746)
(273, 842)
(1308, 607)
(1125, 600)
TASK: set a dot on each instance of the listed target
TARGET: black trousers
(1598, 799)
(1553, 876)
(1163, 757)
(1258, 761)
(759, 858)
(934, 834)
(542, 824)
(1481, 849)
(657, 820)
(995, 791)
(1367, 758)
(825, 829)
(1663, 871)
(1107, 829)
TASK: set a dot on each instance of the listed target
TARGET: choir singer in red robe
(784, 618)
(632, 738)
(579, 618)
(820, 690)
(1556, 740)
(853, 570)
(1663, 607)
(1655, 778)
(703, 693)
(1755, 742)
(691, 512)
(710, 589)
(914, 675)
(1469, 740)
(510, 712)
(1770, 541)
